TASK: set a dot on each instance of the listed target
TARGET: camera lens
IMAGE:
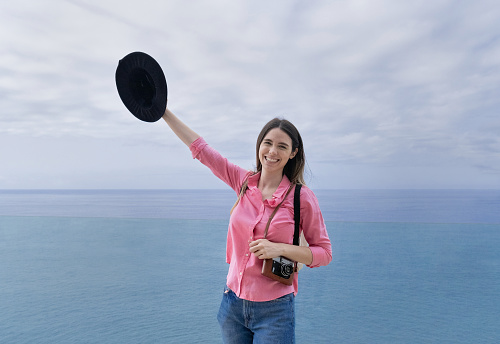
(286, 270)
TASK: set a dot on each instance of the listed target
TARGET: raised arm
(185, 133)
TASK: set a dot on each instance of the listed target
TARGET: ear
(294, 153)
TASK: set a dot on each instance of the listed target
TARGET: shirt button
(246, 254)
(241, 273)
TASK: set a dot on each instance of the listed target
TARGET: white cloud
(371, 83)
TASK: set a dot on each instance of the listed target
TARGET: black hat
(142, 86)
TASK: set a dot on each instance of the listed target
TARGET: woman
(255, 308)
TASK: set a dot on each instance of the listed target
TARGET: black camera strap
(296, 214)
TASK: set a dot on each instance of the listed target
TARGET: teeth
(271, 160)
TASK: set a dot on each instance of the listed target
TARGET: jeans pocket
(224, 305)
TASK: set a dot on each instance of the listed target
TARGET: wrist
(283, 249)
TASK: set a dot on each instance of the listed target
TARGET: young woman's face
(275, 150)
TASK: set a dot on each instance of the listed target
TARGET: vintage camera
(282, 267)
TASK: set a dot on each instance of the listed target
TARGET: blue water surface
(149, 267)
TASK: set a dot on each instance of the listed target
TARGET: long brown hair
(294, 168)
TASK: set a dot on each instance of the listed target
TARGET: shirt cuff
(197, 146)
(318, 253)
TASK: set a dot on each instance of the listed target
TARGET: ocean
(148, 266)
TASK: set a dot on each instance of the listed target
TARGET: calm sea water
(148, 267)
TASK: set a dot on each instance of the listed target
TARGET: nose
(272, 149)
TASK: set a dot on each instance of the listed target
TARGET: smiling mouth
(271, 160)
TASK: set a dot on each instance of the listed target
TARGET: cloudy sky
(386, 93)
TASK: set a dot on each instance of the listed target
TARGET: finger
(261, 256)
(258, 254)
(255, 242)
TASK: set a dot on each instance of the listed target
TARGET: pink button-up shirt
(248, 222)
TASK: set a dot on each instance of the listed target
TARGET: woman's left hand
(265, 249)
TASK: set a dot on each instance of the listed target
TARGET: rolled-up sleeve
(314, 229)
(197, 146)
(228, 172)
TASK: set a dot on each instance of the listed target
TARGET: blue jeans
(243, 321)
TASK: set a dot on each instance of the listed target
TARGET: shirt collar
(280, 192)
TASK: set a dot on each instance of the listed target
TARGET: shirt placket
(251, 236)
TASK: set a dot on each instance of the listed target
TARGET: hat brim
(142, 86)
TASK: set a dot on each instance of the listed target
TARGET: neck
(269, 181)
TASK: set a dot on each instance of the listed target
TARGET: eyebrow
(280, 143)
